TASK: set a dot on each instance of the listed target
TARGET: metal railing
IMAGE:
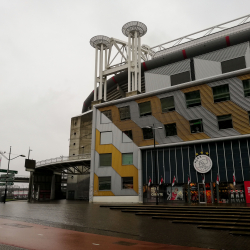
(62, 159)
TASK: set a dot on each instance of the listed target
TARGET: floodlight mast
(134, 31)
(101, 43)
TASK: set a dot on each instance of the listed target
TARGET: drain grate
(16, 225)
(125, 243)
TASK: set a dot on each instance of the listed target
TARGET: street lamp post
(156, 171)
(5, 191)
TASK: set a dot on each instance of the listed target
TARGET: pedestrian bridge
(73, 165)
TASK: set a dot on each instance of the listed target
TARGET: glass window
(106, 137)
(124, 113)
(127, 159)
(129, 134)
(196, 126)
(145, 108)
(105, 160)
(104, 183)
(147, 133)
(180, 78)
(170, 129)
(225, 121)
(221, 93)
(193, 99)
(167, 104)
(127, 182)
(108, 113)
(246, 86)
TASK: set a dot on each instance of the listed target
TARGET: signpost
(8, 184)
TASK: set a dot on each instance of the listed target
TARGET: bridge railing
(62, 159)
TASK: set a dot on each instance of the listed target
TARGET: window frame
(99, 183)
(218, 87)
(194, 105)
(131, 153)
(100, 160)
(123, 132)
(196, 120)
(128, 184)
(243, 81)
(167, 110)
(101, 137)
(128, 112)
(102, 113)
(147, 114)
(224, 116)
(144, 136)
(166, 129)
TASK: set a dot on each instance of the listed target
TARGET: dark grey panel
(233, 64)
(180, 78)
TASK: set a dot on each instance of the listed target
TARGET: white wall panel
(106, 137)
(154, 81)
(205, 68)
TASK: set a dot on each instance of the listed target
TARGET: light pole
(5, 191)
(156, 171)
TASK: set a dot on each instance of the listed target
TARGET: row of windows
(105, 183)
(220, 94)
(106, 159)
(196, 126)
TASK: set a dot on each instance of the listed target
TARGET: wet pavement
(90, 218)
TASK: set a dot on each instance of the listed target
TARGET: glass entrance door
(202, 193)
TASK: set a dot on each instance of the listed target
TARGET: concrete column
(53, 187)
(129, 63)
(136, 61)
(139, 64)
(95, 80)
(100, 72)
(140, 182)
(30, 186)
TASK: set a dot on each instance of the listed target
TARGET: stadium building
(170, 122)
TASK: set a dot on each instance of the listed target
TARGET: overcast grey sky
(47, 64)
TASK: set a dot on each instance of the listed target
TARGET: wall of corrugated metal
(226, 54)
(160, 77)
(117, 171)
(205, 68)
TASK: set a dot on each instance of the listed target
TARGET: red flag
(203, 179)
(149, 182)
(234, 179)
(161, 181)
(189, 180)
(218, 179)
(173, 182)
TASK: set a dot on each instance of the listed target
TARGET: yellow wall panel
(244, 77)
(128, 125)
(96, 187)
(122, 170)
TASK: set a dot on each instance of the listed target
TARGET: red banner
(247, 191)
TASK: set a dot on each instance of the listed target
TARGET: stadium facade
(174, 127)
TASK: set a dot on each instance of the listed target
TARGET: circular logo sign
(202, 164)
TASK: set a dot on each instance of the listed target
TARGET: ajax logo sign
(203, 163)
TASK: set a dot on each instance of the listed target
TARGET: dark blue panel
(167, 166)
(213, 156)
(179, 165)
(144, 173)
(149, 165)
(221, 160)
(173, 164)
(185, 163)
(237, 160)
(245, 159)
(229, 162)
(198, 149)
(160, 163)
(205, 149)
(192, 169)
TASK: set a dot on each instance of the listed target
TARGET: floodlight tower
(101, 43)
(134, 31)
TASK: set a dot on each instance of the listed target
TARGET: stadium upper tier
(188, 50)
